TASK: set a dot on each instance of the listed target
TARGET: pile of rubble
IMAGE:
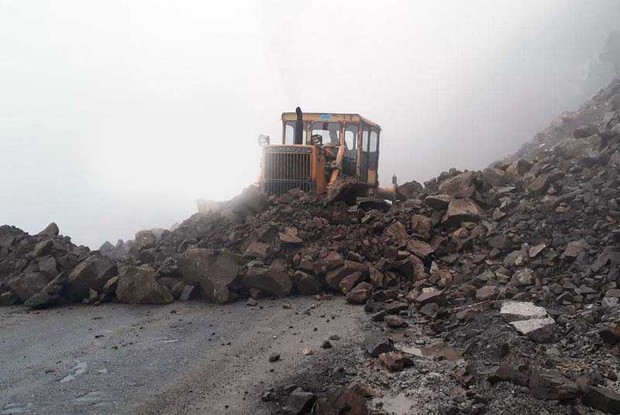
(498, 261)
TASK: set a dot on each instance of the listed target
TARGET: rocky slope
(517, 266)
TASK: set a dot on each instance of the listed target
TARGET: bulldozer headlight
(263, 140)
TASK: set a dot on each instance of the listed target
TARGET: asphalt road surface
(182, 358)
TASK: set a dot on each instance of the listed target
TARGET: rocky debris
(395, 361)
(271, 280)
(139, 285)
(525, 251)
(461, 210)
(377, 344)
(552, 385)
(299, 402)
(92, 273)
(603, 399)
(360, 293)
(345, 400)
(213, 270)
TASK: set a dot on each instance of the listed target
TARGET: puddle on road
(436, 350)
(395, 405)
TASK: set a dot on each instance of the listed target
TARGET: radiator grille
(286, 168)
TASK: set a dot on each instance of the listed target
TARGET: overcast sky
(116, 115)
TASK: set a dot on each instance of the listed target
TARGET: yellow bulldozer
(332, 154)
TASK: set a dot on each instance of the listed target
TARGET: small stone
(274, 357)
(326, 345)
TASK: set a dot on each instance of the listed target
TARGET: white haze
(115, 116)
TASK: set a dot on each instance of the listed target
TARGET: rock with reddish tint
(438, 202)
(334, 277)
(505, 373)
(487, 292)
(459, 186)
(419, 248)
(345, 400)
(396, 233)
(575, 248)
(461, 210)
(429, 296)
(395, 307)
(258, 250)
(139, 285)
(360, 293)
(394, 322)
(307, 284)
(422, 225)
(212, 269)
(269, 280)
(350, 281)
(552, 385)
(395, 361)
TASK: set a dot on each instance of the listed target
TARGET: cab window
(329, 131)
(350, 140)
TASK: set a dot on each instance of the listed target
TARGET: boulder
(334, 277)
(459, 186)
(376, 344)
(604, 400)
(344, 400)
(139, 285)
(552, 385)
(438, 202)
(92, 273)
(50, 230)
(422, 225)
(299, 402)
(213, 270)
(270, 280)
(396, 233)
(28, 284)
(306, 284)
(257, 250)
(461, 210)
(51, 295)
(360, 293)
(350, 281)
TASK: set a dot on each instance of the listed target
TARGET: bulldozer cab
(329, 148)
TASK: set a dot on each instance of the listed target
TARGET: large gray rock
(139, 285)
(214, 270)
(92, 273)
(52, 294)
(50, 230)
(28, 284)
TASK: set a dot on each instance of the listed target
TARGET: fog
(115, 116)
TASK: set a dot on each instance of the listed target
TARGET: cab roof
(329, 117)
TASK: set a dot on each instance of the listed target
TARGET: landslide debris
(517, 266)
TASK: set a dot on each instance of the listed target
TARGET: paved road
(183, 358)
